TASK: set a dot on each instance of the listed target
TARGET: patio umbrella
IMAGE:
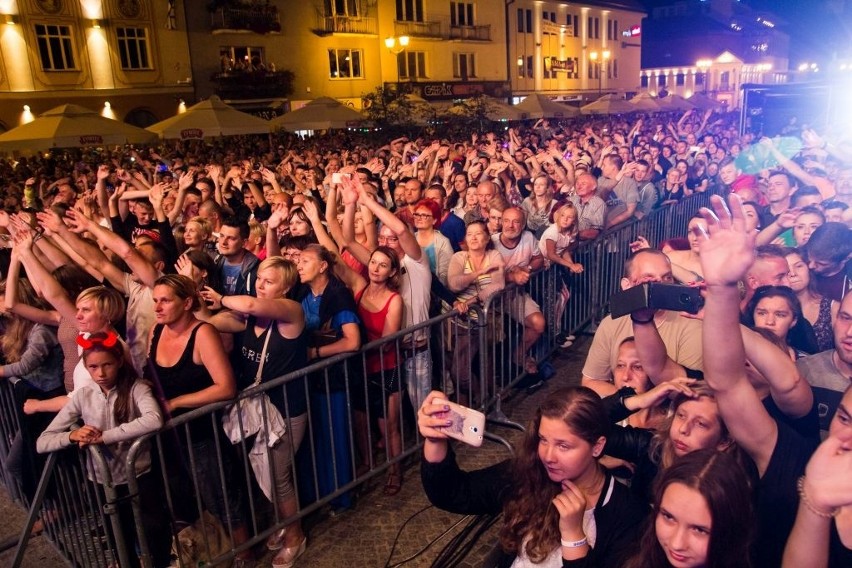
(323, 113)
(495, 110)
(702, 101)
(646, 102)
(208, 119)
(539, 106)
(70, 126)
(676, 102)
(608, 104)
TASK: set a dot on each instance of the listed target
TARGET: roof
(629, 5)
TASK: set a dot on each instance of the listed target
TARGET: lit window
(345, 64)
(133, 48)
(55, 47)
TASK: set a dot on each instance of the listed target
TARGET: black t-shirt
(778, 497)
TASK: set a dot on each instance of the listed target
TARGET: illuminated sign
(556, 65)
(548, 27)
(632, 32)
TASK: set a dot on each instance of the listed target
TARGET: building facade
(574, 50)
(738, 45)
(341, 49)
(128, 59)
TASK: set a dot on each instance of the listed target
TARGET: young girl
(560, 507)
(702, 516)
(555, 244)
(777, 309)
(117, 408)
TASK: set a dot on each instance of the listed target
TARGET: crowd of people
(141, 284)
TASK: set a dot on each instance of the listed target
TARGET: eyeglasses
(384, 239)
(423, 215)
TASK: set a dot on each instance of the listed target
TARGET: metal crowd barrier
(475, 359)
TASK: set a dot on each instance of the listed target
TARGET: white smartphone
(467, 426)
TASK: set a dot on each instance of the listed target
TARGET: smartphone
(162, 168)
(658, 296)
(338, 177)
(467, 426)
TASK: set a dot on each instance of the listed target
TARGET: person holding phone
(559, 505)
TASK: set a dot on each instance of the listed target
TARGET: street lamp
(704, 66)
(397, 45)
(604, 58)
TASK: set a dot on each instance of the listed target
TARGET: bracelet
(574, 543)
(811, 507)
(642, 322)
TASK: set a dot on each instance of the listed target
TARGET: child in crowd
(116, 409)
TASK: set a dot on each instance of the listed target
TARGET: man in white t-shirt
(415, 286)
(520, 251)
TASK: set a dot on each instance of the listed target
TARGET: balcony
(353, 25)
(471, 33)
(248, 19)
(236, 84)
(417, 29)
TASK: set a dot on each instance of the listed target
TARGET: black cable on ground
(461, 545)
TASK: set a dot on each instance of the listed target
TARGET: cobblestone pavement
(366, 537)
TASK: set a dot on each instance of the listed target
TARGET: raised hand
(50, 220)
(77, 222)
(661, 392)
(103, 172)
(278, 217)
(828, 483)
(728, 251)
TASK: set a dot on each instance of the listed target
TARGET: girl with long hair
(539, 204)
(116, 409)
(703, 516)
(380, 307)
(559, 505)
(816, 308)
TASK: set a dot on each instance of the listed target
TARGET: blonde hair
(203, 224)
(286, 267)
(108, 301)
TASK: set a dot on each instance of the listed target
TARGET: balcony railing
(257, 19)
(236, 84)
(471, 33)
(327, 25)
(417, 29)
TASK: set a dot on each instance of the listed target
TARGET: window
(546, 73)
(612, 29)
(525, 21)
(240, 57)
(409, 10)
(461, 14)
(464, 65)
(521, 28)
(133, 48)
(345, 64)
(609, 65)
(699, 78)
(615, 68)
(594, 28)
(411, 65)
(575, 74)
(574, 22)
(55, 48)
(644, 81)
(341, 8)
(661, 80)
(530, 68)
(680, 79)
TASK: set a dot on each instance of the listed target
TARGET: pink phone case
(468, 425)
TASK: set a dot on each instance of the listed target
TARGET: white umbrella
(209, 119)
(609, 104)
(646, 102)
(68, 126)
(539, 106)
(323, 113)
